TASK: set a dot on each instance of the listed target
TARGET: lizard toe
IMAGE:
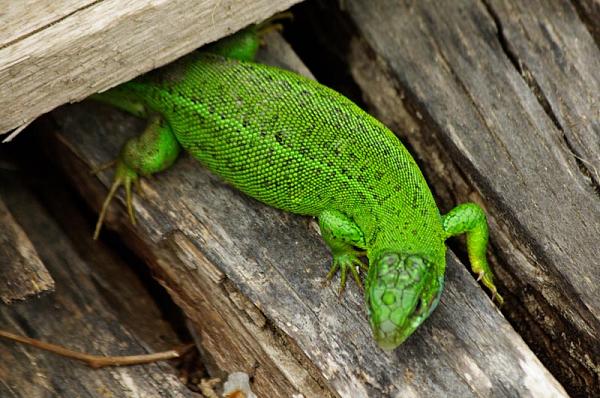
(124, 176)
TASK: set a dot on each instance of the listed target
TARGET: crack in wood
(591, 175)
(51, 23)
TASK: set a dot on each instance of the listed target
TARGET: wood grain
(500, 102)
(589, 12)
(250, 277)
(87, 312)
(22, 273)
(19, 19)
(559, 60)
(76, 49)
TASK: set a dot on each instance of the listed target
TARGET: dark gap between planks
(37, 172)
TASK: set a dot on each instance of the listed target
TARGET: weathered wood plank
(23, 18)
(441, 74)
(250, 277)
(559, 60)
(22, 273)
(122, 279)
(104, 43)
(589, 12)
(78, 315)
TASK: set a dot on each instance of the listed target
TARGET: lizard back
(295, 144)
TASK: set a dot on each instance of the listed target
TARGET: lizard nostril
(419, 306)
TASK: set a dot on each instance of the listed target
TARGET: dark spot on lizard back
(361, 196)
(304, 150)
(279, 137)
(286, 85)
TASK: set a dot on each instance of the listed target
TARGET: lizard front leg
(470, 218)
(244, 45)
(154, 150)
(343, 236)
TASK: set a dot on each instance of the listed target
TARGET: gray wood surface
(99, 307)
(589, 12)
(250, 276)
(26, 17)
(558, 58)
(53, 52)
(500, 101)
(22, 273)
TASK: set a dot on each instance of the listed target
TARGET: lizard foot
(486, 279)
(124, 176)
(346, 262)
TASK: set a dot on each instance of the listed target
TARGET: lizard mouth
(401, 293)
(387, 336)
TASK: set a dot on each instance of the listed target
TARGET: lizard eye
(414, 262)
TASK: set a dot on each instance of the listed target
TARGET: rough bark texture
(589, 12)
(250, 276)
(52, 52)
(500, 101)
(22, 273)
(99, 307)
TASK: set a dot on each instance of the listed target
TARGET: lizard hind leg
(469, 218)
(343, 236)
(156, 149)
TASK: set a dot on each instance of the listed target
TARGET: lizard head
(401, 291)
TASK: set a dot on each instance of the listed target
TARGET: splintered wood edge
(83, 49)
(79, 315)
(22, 272)
(250, 338)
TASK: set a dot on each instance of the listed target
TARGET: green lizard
(299, 146)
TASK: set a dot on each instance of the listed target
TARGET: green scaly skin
(299, 146)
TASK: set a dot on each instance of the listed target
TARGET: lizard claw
(346, 262)
(497, 297)
(124, 176)
(489, 283)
